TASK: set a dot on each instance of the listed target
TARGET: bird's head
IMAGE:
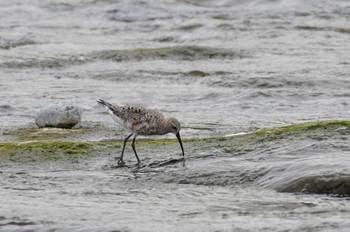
(175, 125)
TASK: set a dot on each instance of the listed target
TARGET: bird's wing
(141, 120)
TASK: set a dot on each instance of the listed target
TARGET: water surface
(220, 67)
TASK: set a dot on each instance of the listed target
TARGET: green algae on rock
(278, 132)
(303, 126)
(54, 150)
(47, 147)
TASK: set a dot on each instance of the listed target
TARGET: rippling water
(220, 67)
(238, 65)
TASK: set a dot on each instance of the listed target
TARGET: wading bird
(142, 121)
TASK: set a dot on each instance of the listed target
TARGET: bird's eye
(174, 127)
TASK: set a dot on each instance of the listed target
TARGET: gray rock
(61, 115)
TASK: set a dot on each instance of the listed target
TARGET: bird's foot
(120, 161)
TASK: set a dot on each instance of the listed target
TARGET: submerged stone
(60, 115)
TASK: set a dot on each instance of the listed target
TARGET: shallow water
(258, 187)
(220, 67)
(232, 64)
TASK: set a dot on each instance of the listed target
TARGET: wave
(10, 44)
(169, 53)
(338, 183)
(45, 62)
(187, 53)
(308, 160)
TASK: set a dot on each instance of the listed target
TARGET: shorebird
(142, 121)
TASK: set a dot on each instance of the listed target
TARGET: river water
(220, 67)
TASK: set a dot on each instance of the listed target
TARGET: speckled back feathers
(140, 120)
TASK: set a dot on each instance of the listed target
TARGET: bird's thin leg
(120, 161)
(133, 147)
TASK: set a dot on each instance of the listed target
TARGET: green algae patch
(190, 27)
(46, 150)
(158, 142)
(34, 134)
(168, 53)
(275, 133)
(67, 147)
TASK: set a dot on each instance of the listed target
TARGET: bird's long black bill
(179, 138)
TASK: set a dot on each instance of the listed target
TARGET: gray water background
(220, 67)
